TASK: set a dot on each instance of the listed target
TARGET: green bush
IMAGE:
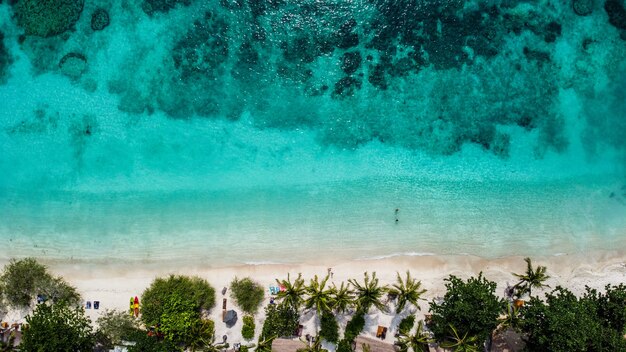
(354, 326)
(22, 280)
(344, 346)
(247, 331)
(280, 321)
(406, 325)
(114, 327)
(193, 289)
(57, 328)
(470, 306)
(179, 316)
(329, 329)
(144, 343)
(565, 323)
(243, 349)
(176, 304)
(58, 290)
(248, 295)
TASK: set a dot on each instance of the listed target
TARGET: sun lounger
(274, 290)
(96, 304)
(224, 303)
(88, 305)
(381, 333)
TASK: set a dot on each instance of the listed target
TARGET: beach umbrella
(230, 318)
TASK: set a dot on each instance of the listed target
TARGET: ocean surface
(246, 131)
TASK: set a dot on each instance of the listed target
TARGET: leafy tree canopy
(22, 280)
(280, 321)
(565, 323)
(610, 306)
(57, 327)
(470, 306)
(247, 294)
(114, 327)
(167, 290)
(329, 329)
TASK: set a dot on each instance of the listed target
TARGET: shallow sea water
(257, 132)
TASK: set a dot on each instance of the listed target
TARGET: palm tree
(342, 298)
(318, 296)
(204, 336)
(407, 291)
(215, 347)
(532, 278)
(461, 344)
(291, 294)
(511, 319)
(315, 346)
(418, 342)
(264, 345)
(369, 294)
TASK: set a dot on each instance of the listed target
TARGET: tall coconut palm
(342, 298)
(369, 294)
(418, 342)
(458, 343)
(291, 293)
(532, 278)
(319, 297)
(407, 291)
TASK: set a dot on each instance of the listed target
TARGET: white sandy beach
(114, 284)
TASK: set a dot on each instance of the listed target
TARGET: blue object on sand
(96, 304)
(88, 305)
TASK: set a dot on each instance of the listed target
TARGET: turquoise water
(241, 131)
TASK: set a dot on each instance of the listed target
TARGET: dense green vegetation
(248, 295)
(247, 330)
(175, 305)
(22, 280)
(564, 322)
(469, 307)
(164, 291)
(406, 324)
(57, 327)
(280, 321)
(114, 327)
(329, 329)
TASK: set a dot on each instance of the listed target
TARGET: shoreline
(112, 284)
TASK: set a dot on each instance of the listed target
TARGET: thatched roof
(286, 345)
(376, 345)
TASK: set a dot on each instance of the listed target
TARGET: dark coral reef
(45, 18)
